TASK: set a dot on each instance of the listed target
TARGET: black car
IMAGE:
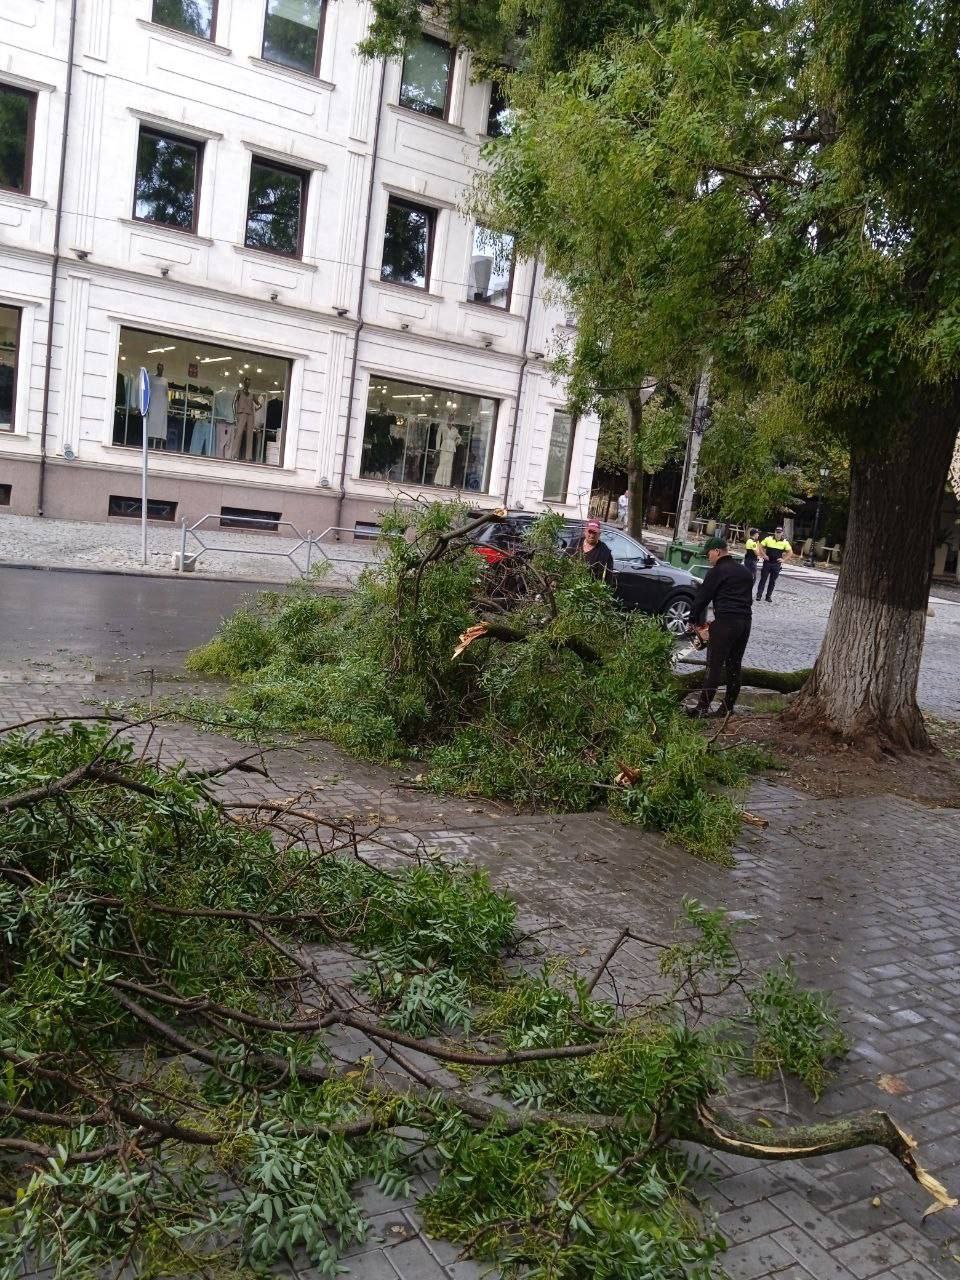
(641, 581)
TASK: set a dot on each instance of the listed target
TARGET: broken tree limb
(778, 681)
(517, 635)
(722, 1132)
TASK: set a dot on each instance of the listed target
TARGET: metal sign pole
(143, 396)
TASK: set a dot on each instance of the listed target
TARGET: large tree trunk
(864, 683)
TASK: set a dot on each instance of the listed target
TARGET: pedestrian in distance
(623, 503)
(774, 549)
(594, 552)
(728, 586)
(751, 552)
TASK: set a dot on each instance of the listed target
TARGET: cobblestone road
(860, 892)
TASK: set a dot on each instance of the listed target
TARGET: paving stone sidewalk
(860, 893)
(82, 544)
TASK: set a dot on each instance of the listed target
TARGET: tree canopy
(769, 186)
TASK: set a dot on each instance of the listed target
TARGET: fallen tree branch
(723, 1132)
(756, 677)
(516, 635)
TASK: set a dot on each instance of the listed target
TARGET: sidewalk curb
(40, 567)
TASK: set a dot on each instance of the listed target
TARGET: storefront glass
(420, 435)
(205, 400)
(9, 341)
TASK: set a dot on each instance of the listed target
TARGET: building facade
(225, 193)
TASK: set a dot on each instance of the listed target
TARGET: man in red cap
(594, 553)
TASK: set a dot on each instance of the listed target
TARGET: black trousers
(751, 562)
(769, 573)
(728, 643)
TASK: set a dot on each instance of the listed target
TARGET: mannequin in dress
(245, 406)
(156, 423)
(448, 440)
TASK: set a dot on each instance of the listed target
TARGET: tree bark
(863, 686)
(779, 681)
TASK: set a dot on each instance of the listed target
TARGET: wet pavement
(859, 892)
(72, 625)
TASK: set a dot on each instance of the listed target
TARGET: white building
(242, 196)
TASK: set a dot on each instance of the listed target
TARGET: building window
(420, 435)
(9, 350)
(491, 268)
(293, 34)
(559, 457)
(500, 113)
(131, 508)
(275, 209)
(195, 17)
(17, 109)
(408, 243)
(168, 180)
(206, 401)
(425, 83)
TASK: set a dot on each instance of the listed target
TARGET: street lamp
(824, 473)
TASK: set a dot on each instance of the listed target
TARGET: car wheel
(676, 615)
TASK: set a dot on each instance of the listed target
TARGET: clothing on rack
(204, 438)
(158, 409)
(275, 414)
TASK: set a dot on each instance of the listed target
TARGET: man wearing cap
(594, 553)
(773, 548)
(728, 586)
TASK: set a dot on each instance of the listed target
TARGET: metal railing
(272, 526)
(312, 542)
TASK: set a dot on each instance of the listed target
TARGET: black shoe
(769, 600)
(697, 713)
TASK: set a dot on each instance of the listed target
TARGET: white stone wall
(116, 271)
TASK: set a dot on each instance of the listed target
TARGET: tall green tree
(778, 185)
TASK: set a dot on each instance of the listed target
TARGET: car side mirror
(649, 561)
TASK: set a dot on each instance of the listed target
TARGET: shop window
(408, 243)
(206, 400)
(420, 435)
(559, 457)
(17, 111)
(500, 113)
(6, 494)
(195, 17)
(168, 180)
(9, 351)
(293, 33)
(425, 82)
(275, 208)
(250, 518)
(157, 508)
(491, 268)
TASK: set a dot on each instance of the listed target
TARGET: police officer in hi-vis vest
(751, 552)
(774, 548)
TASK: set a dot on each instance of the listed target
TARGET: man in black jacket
(728, 586)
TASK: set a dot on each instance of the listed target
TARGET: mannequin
(448, 441)
(245, 406)
(156, 423)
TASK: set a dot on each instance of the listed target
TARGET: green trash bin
(690, 556)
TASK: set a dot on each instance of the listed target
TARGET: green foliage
(147, 991)
(797, 1031)
(534, 723)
